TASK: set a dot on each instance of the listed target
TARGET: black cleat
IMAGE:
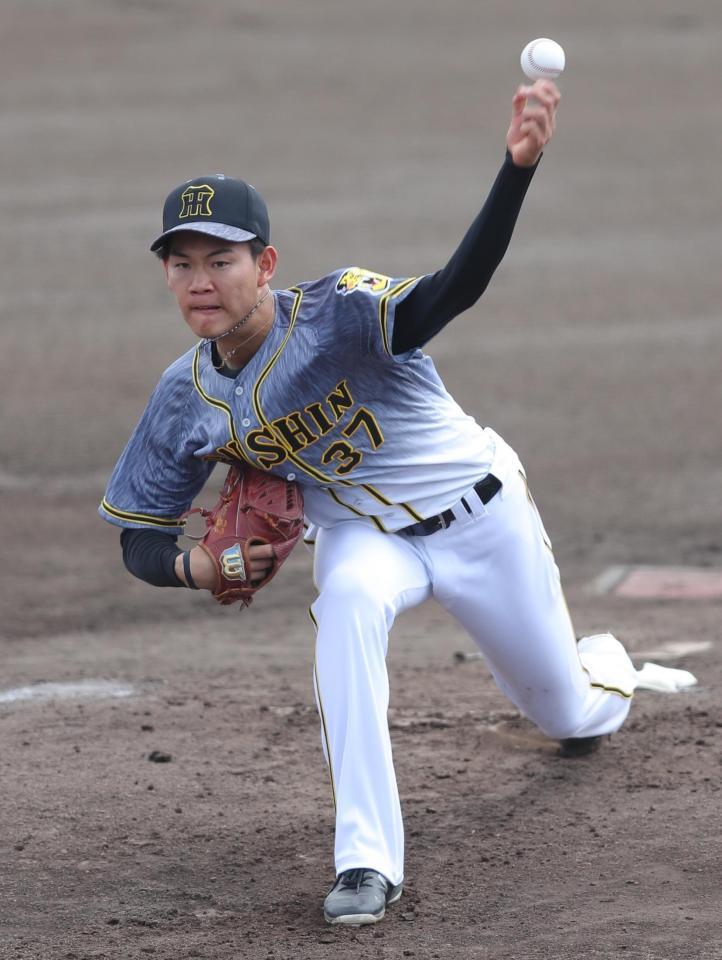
(579, 746)
(359, 896)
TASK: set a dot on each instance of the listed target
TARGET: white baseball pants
(495, 573)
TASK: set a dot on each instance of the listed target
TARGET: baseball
(542, 58)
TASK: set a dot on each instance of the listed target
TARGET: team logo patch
(357, 279)
(196, 201)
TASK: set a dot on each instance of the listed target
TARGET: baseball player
(406, 496)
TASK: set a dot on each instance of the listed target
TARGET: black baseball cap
(217, 205)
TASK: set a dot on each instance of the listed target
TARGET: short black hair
(256, 247)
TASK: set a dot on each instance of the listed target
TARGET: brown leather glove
(254, 508)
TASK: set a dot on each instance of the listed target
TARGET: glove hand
(261, 556)
(249, 533)
(203, 570)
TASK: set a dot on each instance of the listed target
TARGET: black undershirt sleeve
(150, 556)
(439, 297)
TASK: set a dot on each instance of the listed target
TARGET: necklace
(227, 356)
(240, 322)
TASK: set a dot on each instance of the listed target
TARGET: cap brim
(220, 230)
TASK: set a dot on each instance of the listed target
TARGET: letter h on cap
(196, 201)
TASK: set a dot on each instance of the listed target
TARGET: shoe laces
(356, 878)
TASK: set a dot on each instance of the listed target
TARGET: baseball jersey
(368, 434)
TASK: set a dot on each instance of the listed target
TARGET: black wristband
(187, 570)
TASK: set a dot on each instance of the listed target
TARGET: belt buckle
(443, 522)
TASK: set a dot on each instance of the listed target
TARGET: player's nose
(200, 280)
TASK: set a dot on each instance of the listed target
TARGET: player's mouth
(205, 314)
(208, 310)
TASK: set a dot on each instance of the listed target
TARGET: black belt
(485, 489)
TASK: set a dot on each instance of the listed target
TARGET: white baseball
(542, 58)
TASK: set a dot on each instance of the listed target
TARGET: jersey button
(239, 391)
(291, 476)
(246, 422)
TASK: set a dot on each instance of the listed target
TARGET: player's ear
(266, 265)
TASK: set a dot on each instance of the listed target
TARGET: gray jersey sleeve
(157, 476)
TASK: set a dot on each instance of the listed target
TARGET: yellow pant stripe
(323, 717)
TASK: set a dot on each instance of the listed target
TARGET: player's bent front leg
(365, 578)
(506, 592)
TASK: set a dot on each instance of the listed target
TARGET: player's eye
(221, 263)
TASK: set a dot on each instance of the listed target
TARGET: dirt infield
(185, 811)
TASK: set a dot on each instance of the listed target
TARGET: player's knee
(555, 711)
(564, 723)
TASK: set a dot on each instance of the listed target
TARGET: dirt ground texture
(374, 130)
